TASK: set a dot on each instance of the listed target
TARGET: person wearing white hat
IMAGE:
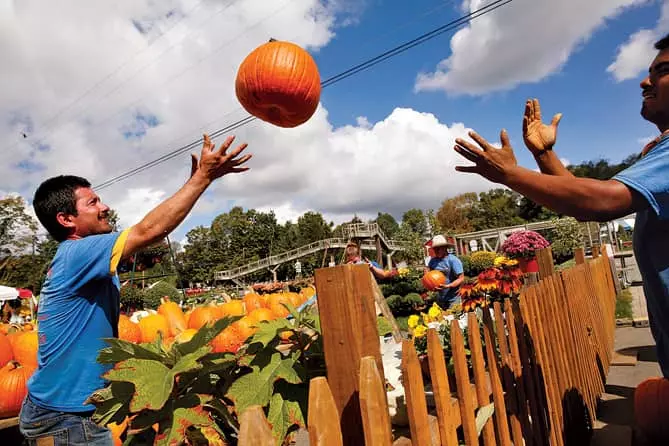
(451, 266)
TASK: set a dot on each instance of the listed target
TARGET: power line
(326, 83)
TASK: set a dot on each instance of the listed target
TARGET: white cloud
(523, 41)
(635, 55)
(168, 92)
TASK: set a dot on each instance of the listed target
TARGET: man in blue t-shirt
(451, 266)
(79, 302)
(642, 188)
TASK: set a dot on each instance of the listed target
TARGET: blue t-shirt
(451, 266)
(78, 307)
(650, 177)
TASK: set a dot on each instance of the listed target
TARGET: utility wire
(329, 81)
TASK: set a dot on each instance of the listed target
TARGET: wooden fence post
(545, 260)
(348, 324)
(595, 251)
(579, 255)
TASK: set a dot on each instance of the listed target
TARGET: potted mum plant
(521, 246)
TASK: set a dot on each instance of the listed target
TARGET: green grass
(624, 304)
(565, 265)
(384, 326)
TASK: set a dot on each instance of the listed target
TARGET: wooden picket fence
(543, 366)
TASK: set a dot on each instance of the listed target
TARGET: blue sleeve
(650, 177)
(432, 264)
(376, 265)
(456, 266)
(90, 258)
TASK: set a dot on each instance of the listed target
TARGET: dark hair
(663, 43)
(54, 196)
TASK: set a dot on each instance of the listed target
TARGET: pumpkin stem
(272, 39)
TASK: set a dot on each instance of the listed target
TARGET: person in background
(15, 306)
(354, 257)
(451, 266)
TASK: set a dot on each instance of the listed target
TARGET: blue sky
(601, 116)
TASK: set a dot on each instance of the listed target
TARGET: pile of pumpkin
(18, 361)
(178, 326)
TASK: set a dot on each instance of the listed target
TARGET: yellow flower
(419, 331)
(413, 321)
(500, 260)
(434, 312)
(426, 318)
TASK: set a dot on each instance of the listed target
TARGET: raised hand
(490, 162)
(538, 136)
(214, 163)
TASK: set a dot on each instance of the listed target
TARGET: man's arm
(584, 198)
(540, 139)
(457, 282)
(170, 213)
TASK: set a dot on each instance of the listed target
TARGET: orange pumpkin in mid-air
(279, 83)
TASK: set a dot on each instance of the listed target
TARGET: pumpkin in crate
(24, 348)
(232, 308)
(176, 321)
(6, 354)
(229, 340)
(153, 324)
(651, 408)
(279, 83)
(128, 330)
(203, 315)
(433, 279)
(13, 379)
(252, 301)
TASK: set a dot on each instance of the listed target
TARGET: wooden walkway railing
(543, 366)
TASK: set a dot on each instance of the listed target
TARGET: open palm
(538, 136)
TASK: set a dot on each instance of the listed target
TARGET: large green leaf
(191, 361)
(111, 403)
(204, 335)
(120, 350)
(282, 415)
(267, 331)
(153, 382)
(182, 419)
(257, 386)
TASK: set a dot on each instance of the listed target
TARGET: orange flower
(487, 280)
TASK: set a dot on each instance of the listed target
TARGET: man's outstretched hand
(214, 163)
(538, 136)
(490, 162)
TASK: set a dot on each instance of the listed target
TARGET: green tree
(387, 223)
(113, 219)
(601, 169)
(453, 215)
(311, 227)
(414, 221)
(414, 250)
(17, 228)
(495, 209)
(197, 260)
(531, 211)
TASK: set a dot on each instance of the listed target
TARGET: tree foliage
(17, 228)
(387, 224)
(453, 215)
